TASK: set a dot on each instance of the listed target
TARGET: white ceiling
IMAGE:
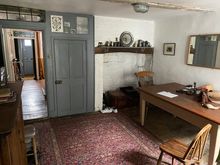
(96, 7)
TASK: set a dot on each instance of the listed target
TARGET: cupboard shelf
(141, 50)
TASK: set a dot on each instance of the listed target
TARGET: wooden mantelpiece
(141, 50)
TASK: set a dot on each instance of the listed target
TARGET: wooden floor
(33, 101)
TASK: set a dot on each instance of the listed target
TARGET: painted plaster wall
(114, 70)
(177, 30)
(9, 53)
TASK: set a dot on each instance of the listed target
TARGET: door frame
(35, 26)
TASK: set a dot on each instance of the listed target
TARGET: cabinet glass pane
(82, 25)
(25, 11)
(3, 16)
(36, 18)
(13, 16)
(25, 17)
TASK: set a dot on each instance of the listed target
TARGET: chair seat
(175, 148)
(29, 131)
(191, 154)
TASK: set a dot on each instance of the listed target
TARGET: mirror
(204, 51)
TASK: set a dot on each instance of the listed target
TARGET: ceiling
(101, 8)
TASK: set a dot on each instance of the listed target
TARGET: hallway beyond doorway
(33, 101)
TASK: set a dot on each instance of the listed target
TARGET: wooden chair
(30, 141)
(187, 155)
(144, 78)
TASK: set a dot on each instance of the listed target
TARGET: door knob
(58, 81)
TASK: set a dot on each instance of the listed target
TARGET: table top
(9, 111)
(183, 101)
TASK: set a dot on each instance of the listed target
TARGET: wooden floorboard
(33, 100)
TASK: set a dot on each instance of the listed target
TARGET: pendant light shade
(140, 7)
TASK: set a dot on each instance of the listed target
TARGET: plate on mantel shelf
(126, 39)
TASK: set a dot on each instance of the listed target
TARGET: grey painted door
(26, 56)
(70, 75)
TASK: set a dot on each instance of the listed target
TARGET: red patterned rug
(102, 139)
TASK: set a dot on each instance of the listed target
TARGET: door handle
(58, 81)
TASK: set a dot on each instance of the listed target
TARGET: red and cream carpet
(102, 139)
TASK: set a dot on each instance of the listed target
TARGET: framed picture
(169, 49)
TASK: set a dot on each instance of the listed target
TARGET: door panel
(70, 73)
(62, 74)
(26, 56)
(77, 104)
(62, 59)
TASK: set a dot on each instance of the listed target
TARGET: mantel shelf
(141, 50)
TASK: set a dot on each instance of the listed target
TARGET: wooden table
(184, 107)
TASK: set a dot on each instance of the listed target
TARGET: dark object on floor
(130, 91)
(119, 99)
(106, 100)
(191, 154)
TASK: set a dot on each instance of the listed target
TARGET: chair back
(196, 147)
(144, 78)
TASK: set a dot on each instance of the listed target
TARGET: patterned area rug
(100, 139)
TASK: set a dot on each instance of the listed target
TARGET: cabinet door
(12, 145)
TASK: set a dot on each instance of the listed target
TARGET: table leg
(143, 109)
(214, 144)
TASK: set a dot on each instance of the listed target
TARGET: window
(27, 43)
(21, 14)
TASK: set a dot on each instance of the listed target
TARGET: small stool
(30, 141)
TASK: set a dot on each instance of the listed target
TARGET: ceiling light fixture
(140, 7)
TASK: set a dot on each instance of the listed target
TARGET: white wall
(9, 53)
(177, 30)
(114, 70)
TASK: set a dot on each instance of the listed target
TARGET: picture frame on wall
(169, 49)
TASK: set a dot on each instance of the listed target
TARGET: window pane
(82, 25)
(12, 9)
(25, 17)
(3, 16)
(36, 18)
(27, 43)
(13, 16)
(25, 11)
(3, 8)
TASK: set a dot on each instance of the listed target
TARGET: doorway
(24, 60)
(25, 54)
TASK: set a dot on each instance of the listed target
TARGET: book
(9, 99)
(5, 92)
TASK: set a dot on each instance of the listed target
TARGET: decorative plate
(126, 39)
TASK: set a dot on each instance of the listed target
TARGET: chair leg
(35, 150)
(172, 160)
(160, 158)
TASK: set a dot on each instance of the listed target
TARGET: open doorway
(24, 60)
(25, 54)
